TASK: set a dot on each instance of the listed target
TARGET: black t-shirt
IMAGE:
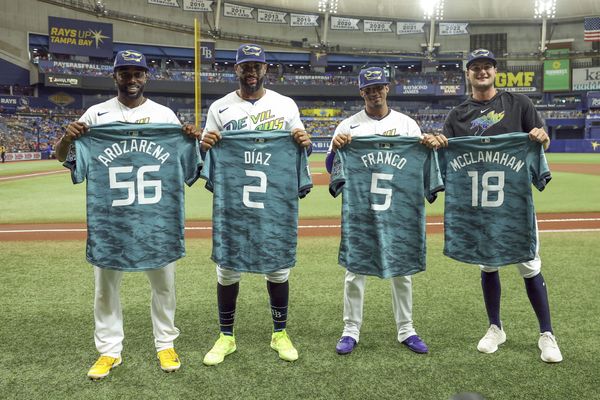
(504, 113)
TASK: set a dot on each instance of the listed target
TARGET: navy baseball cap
(250, 52)
(481, 54)
(372, 76)
(130, 58)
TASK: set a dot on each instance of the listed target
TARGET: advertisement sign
(321, 112)
(557, 75)
(518, 82)
(593, 100)
(207, 52)
(586, 78)
(450, 90)
(9, 103)
(62, 80)
(83, 38)
(415, 89)
(23, 156)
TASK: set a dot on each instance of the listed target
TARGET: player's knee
(279, 276)
(227, 277)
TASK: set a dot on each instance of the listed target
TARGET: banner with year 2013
(271, 17)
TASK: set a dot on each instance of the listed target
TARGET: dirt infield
(571, 222)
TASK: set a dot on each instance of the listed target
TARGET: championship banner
(303, 20)
(408, 28)
(370, 26)
(586, 78)
(271, 17)
(518, 82)
(58, 80)
(344, 24)
(450, 90)
(415, 89)
(197, 5)
(448, 28)
(168, 3)
(235, 11)
(557, 72)
(82, 38)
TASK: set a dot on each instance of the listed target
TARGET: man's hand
(434, 141)
(209, 139)
(192, 131)
(340, 141)
(301, 137)
(74, 131)
(540, 135)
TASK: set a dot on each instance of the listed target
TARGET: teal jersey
(135, 193)
(383, 181)
(489, 217)
(256, 179)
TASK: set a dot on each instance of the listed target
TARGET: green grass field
(47, 331)
(47, 322)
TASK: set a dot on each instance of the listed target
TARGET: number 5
(377, 190)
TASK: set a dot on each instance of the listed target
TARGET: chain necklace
(132, 110)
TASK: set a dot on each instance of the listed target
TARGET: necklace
(132, 111)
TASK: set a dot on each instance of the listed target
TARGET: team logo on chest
(483, 123)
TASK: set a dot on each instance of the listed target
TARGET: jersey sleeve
(304, 179)
(413, 128)
(295, 121)
(207, 172)
(191, 161)
(79, 163)
(432, 177)
(212, 123)
(538, 166)
(338, 176)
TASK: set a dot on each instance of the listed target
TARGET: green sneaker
(281, 343)
(224, 346)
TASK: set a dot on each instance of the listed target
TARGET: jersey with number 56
(256, 179)
(489, 217)
(384, 181)
(135, 192)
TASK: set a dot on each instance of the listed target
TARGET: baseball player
(130, 106)
(490, 112)
(252, 108)
(376, 119)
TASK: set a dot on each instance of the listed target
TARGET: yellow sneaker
(224, 346)
(169, 360)
(102, 367)
(281, 343)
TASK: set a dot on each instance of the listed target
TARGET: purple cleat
(415, 343)
(345, 345)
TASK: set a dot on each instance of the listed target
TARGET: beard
(123, 89)
(251, 88)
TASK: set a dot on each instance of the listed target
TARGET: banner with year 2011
(235, 11)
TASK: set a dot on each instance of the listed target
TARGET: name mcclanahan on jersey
(496, 157)
(381, 157)
(115, 150)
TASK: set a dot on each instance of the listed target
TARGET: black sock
(538, 297)
(279, 295)
(490, 283)
(227, 297)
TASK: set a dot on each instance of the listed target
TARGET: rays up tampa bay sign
(83, 38)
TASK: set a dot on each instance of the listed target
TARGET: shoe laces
(493, 332)
(224, 342)
(105, 361)
(282, 340)
(169, 354)
(548, 339)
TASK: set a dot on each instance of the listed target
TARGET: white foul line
(6, 178)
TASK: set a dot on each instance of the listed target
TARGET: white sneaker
(493, 337)
(549, 347)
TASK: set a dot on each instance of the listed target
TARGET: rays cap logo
(250, 53)
(130, 58)
(372, 76)
(481, 55)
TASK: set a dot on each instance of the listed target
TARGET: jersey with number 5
(383, 181)
(135, 192)
(489, 217)
(256, 179)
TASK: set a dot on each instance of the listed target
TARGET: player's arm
(73, 131)
(192, 131)
(540, 135)
(338, 141)
(434, 141)
(301, 137)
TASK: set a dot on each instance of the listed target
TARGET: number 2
(261, 188)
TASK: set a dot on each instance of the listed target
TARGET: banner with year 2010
(197, 5)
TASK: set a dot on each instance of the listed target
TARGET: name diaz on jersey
(265, 119)
(130, 146)
(497, 157)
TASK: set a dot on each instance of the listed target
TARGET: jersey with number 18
(135, 193)
(489, 217)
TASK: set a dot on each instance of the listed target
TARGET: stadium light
(544, 9)
(433, 9)
(330, 6)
